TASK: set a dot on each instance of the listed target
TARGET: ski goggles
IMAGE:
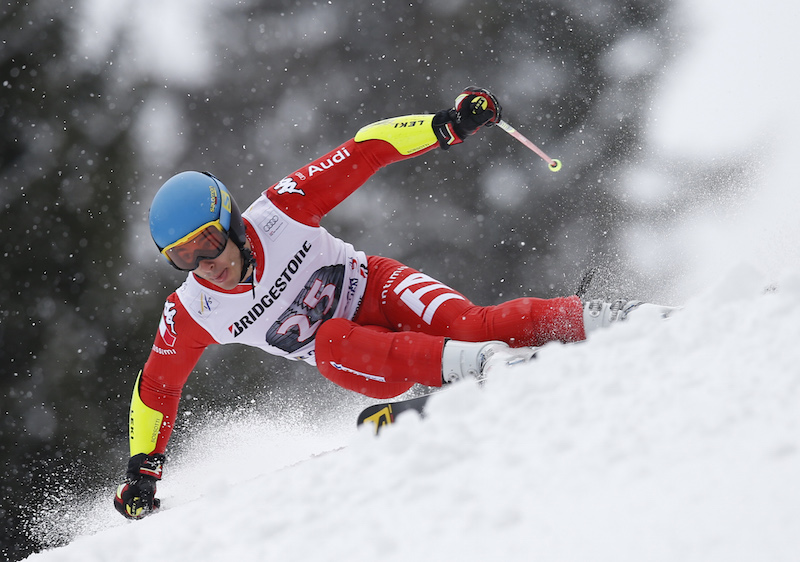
(204, 243)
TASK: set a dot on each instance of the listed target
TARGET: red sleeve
(178, 345)
(312, 191)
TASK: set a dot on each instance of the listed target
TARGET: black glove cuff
(446, 129)
(145, 466)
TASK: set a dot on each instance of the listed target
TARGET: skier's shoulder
(267, 211)
(258, 203)
(271, 222)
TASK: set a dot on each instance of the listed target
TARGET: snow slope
(656, 440)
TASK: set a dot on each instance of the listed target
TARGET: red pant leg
(521, 322)
(375, 361)
(403, 299)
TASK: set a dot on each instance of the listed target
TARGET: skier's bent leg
(375, 361)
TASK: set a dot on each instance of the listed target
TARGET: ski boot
(474, 360)
(467, 360)
(600, 314)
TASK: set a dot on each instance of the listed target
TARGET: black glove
(137, 496)
(474, 108)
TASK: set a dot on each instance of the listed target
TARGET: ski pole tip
(555, 165)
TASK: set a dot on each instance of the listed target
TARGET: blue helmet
(189, 200)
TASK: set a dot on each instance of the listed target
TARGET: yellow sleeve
(145, 423)
(407, 134)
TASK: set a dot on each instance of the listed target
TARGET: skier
(273, 278)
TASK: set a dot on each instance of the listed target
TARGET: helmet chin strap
(248, 260)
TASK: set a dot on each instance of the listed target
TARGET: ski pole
(553, 164)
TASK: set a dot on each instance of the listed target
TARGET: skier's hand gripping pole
(552, 163)
(474, 108)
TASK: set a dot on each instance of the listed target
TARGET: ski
(383, 414)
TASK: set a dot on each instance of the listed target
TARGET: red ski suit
(394, 336)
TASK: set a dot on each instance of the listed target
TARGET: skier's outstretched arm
(311, 192)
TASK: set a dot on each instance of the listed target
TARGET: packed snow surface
(655, 440)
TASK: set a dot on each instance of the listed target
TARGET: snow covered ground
(655, 440)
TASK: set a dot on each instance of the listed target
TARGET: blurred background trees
(102, 101)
